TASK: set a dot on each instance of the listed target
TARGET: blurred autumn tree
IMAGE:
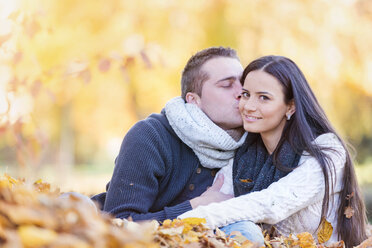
(76, 75)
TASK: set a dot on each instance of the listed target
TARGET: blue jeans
(248, 229)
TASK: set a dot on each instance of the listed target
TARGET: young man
(168, 160)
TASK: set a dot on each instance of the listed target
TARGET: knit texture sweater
(155, 174)
(293, 204)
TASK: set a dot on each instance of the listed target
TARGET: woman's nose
(249, 104)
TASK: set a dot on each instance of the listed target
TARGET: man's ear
(192, 97)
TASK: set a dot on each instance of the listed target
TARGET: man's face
(220, 93)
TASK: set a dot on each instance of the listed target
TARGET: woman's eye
(262, 97)
(245, 94)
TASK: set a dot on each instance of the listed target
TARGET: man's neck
(236, 133)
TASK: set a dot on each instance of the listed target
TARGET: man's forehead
(222, 67)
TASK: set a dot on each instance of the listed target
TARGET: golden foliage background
(76, 75)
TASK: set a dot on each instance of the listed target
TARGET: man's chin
(233, 122)
(237, 126)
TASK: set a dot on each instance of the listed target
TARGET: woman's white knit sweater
(293, 203)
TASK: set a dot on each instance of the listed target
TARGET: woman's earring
(288, 117)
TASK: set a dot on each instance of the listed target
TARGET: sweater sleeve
(299, 189)
(139, 168)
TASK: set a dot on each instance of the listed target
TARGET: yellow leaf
(305, 240)
(191, 237)
(20, 215)
(288, 241)
(38, 181)
(167, 223)
(7, 181)
(194, 221)
(187, 228)
(248, 244)
(70, 241)
(32, 236)
(339, 244)
(5, 184)
(246, 180)
(41, 186)
(172, 231)
(325, 231)
(349, 212)
(177, 223)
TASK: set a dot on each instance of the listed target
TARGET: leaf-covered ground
(33, 215)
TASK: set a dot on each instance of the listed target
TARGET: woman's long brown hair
(308, 122)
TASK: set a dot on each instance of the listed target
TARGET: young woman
(293, 170)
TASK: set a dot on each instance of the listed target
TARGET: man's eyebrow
(227, 78)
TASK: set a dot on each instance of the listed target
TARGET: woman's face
(262, 104)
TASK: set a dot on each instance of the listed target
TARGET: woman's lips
(251, 118)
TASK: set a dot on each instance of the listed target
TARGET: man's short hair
(193, 77)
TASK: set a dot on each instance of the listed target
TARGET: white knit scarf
(212, 145)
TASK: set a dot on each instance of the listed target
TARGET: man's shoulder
(157, 118)
(157, 121)
(154, 124)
